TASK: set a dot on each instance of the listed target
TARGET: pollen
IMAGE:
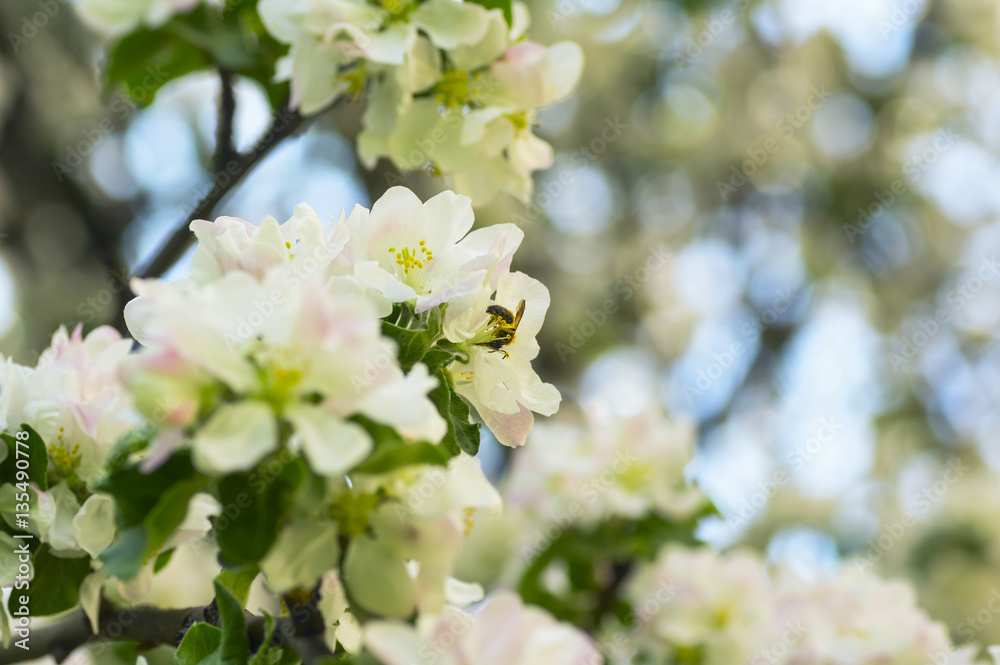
(467, 520)
(409, 258)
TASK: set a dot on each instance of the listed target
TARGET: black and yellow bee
(503, 326)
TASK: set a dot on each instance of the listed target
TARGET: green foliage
(238, 581)
(37, 457)
(132, 442)
(417, 336)
(200, 642)
(150, 507)
(463, 434)
(233, 39)
(591, 556)
(420, 339)
(55, 587)
(392, 451)
(254, 512)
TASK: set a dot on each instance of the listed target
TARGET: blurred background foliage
(779, 217)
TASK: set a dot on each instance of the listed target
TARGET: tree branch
(224, 150)
(284, 124)
(151, 626)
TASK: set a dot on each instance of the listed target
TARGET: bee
(503, 326)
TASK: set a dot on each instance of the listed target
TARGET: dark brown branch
(224, 150)
(150, 626)
(284, 124)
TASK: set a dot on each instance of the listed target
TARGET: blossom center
(410, 263)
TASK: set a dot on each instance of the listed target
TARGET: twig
(284, 124)
(152, 626)
(224, 150)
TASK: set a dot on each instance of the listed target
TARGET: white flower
(327, 35)
(408, 250)
(296, 350)
(230, 243)
(73, 398)
(119, 16)
(408, 559)
(505, 631)
(499, 381)
(698, 599)
(614, 466)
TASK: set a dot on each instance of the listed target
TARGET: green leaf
(37, 458)
(132, 442)
(124, 557)
(163, 559)
(238, 581)
(266, 653)
(199, 643)
(463, 434)
(418, 336)
(137, 493)
(56, 584)
(253, 513)
(390, 457)
(146, 60)
(506, 6)
(392, 451)
(235, 646)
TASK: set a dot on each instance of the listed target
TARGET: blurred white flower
(291, 349)
(505, 631)
(115, 17)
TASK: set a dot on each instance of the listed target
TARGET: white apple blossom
(500, 383)
(231, 243)
(423, 252)
(115, 17)
(697, 600)
(73, 398)
(614, 466)
(328, 35)
(505, 631)
(407, 560)
(295, 350)
(859, 619)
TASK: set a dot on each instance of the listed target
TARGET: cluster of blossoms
(288, 352)
(453, 86)
(726, 608)
(74, 401)
(614, 466)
